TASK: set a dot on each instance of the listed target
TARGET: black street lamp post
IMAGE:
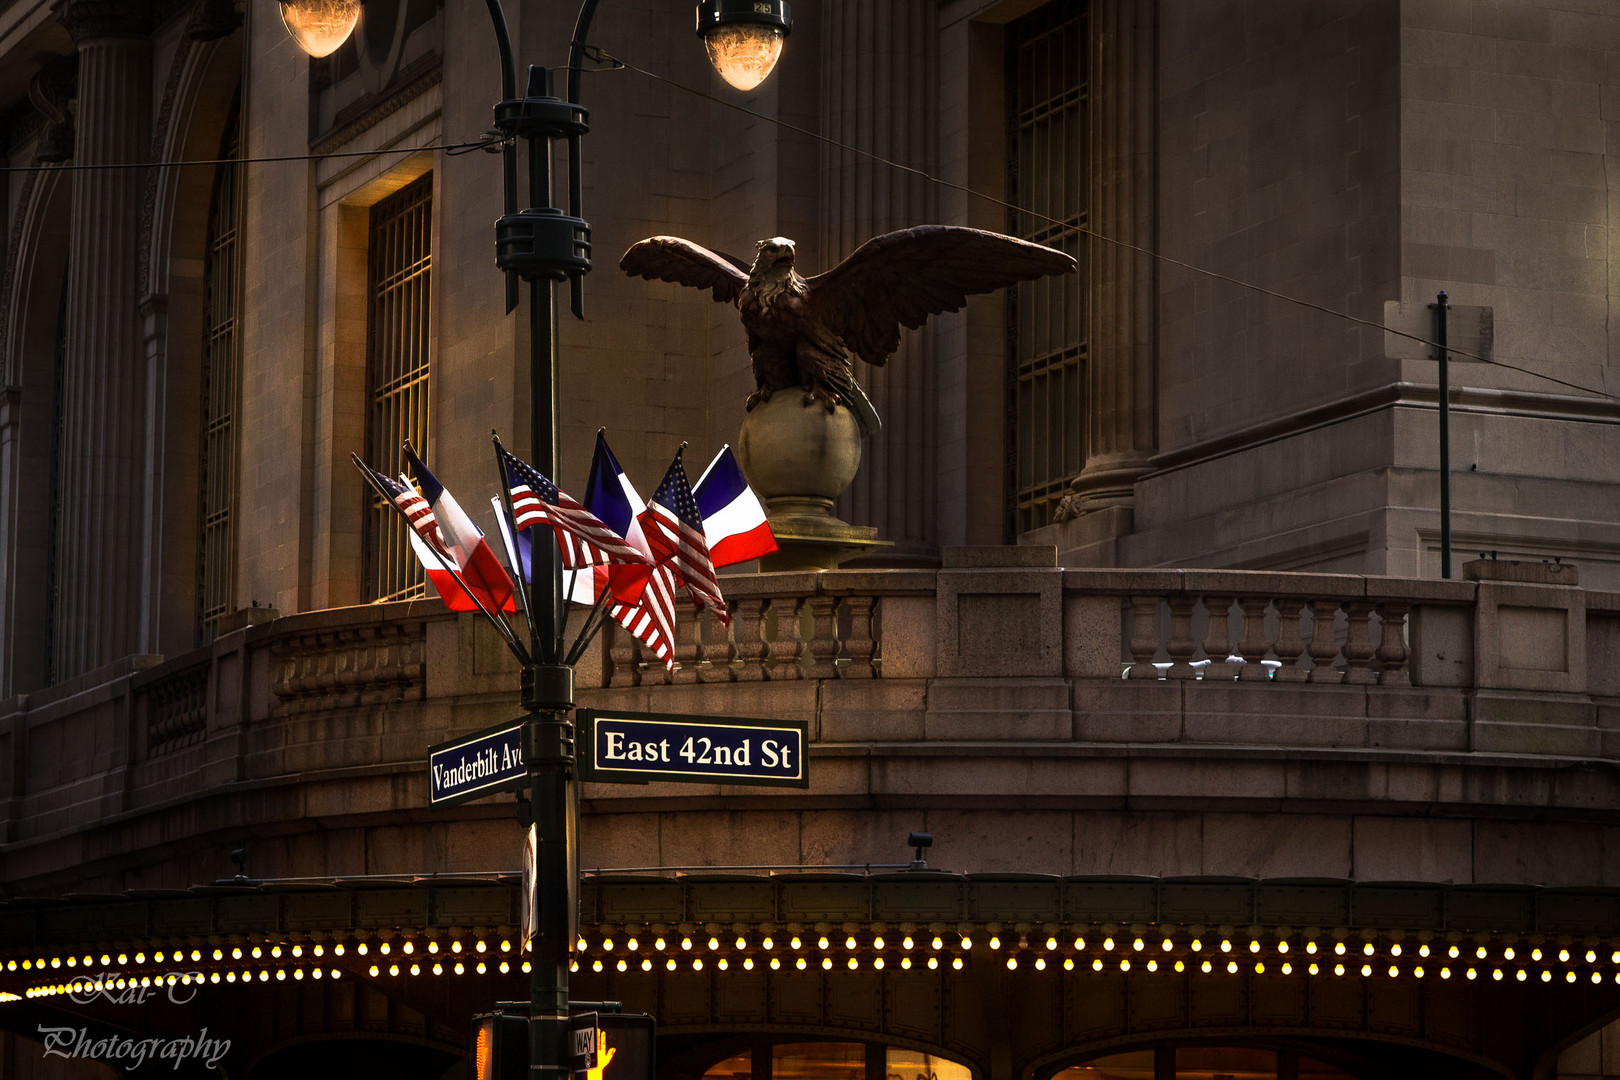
(545, 246)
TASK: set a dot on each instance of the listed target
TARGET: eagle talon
(758, 397)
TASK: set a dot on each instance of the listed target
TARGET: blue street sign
(633, 748)
(472, 766)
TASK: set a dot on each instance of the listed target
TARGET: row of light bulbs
(84, 985)
(269, 949)
(1311, 948)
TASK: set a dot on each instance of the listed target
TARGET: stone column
(878, 73)
(1122, 369)
(105, 404)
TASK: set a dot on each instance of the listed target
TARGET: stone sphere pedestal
(799, 459)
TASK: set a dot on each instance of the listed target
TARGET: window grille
(221, 364)
(397, 374)
(1047, 97)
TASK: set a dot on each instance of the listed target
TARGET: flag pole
(593, 623)
(512, 643)
(518, 573)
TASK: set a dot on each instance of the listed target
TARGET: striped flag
(674, 530)
(450, 529)
(582, 537)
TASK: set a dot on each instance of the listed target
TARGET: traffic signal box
(614, 1046)
(500, 1047)
(604, 1046)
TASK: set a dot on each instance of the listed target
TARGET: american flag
(416, 509)
(674, 529)
(581, 536)
(651, 620)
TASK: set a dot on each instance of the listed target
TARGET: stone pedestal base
(808, 537)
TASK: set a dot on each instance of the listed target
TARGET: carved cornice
(421, 76)
(52, 90)
(92, 20)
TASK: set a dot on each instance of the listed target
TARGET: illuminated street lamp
(546, 246)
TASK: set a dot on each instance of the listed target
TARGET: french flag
(466, 546)
(734, 522)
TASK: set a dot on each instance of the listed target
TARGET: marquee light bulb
(905, 965)
(1423, 950)
(1254, 946)
(686, 943)
(646, 965)
(906, 942)
(995, 941)
(607, 945)
(742, 942)
(967, 943)
(659, 944)
(933, 963)
(1108, 944)
(938, 944)
(1563, 956)
(849, 942)
(1079, 944)
(1367, 949)
(714, 943)
(748, 963)
(767, 944)
(1137, 945)
(821, 943)
(776, 963)
(877, 943)
(826, 963)
(632, 945)
(956, 963)
(1226, 946)
(795, 943)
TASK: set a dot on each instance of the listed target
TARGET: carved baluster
(1289, 644)
(1392, 654)
(860, 645)
(718, 649)
(823, 636)
(1253, 646)
(1324, 646)
(1144, 642)
(688, 631)
(1358, 647)
(623, 657)
(788, 645)
(1181, 645)
(1217, 642)
(748, 628)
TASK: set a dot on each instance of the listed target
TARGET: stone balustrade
(997, 654)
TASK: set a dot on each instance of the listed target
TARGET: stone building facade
(230, 267)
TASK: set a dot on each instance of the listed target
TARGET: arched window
(221, 365)
(1047, 106)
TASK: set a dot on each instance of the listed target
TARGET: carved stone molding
(160, 135)
(25, 199)
(212, 19)
(90, 20)
(52, 90)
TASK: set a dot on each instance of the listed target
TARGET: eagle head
(777, 251)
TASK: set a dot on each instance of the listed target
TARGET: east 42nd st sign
(632, 747)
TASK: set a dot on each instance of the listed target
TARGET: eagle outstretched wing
(901, 278)
(669, 258)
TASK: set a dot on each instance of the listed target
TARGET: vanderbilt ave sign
(475, 765)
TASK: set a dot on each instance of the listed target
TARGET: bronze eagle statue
(806, 332)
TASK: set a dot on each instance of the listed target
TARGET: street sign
(476, 765)
(633, 748)
(613, 1046)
